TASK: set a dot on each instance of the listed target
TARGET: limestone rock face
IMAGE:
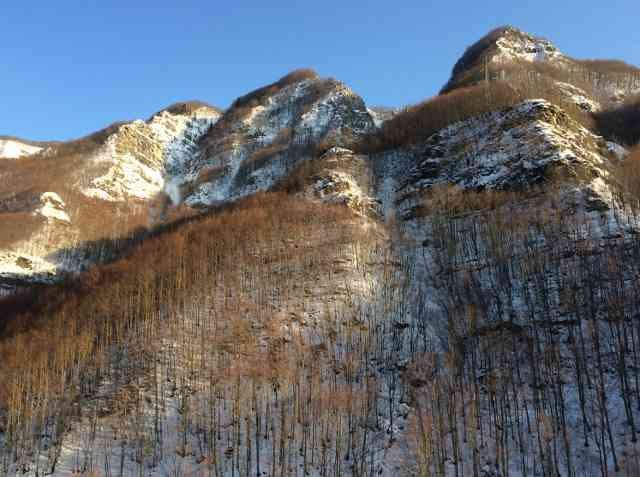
(141, 157)
(256, 144)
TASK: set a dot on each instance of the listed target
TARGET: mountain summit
(507, 52)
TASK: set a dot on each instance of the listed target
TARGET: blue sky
(69, 68)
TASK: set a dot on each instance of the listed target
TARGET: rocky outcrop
(143, 156)
(255, 145)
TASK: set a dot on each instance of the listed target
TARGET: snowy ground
(14, 149)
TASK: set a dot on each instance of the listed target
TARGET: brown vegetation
(417, 123)
(606, 67)
(454, 201)
(524, 365)
(240, 266)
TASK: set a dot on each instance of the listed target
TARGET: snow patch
(52, 207)
(12, 149)
(22, 266)
(617, 150)
(517, 45)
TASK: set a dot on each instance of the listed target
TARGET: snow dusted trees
(540, 362)
(207, 347)
(508, 345)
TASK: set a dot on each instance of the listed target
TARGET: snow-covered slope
(15, 148)
(529, 145)
(512, 149)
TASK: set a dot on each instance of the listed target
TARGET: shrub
(608, 66)
(417, 123)
(451, 201)
(300, 176)
(520, 70)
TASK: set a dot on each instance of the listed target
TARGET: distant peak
(502, 45)
(508, 42)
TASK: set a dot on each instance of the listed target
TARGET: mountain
(509, 52)
(304, 284)
(100, 186)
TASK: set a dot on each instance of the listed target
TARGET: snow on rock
(260, 143)
(517, 147)
(126, 177)
(23, 264)
(617, 150)
(578, 97)
(18, 270)
(514, 44)
(141, 157)
(340, 188)
(14, 149)
(52, 207)
(346, 179)
(337, 151)
(380, 115)
(340, 108)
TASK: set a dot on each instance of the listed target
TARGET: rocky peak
(508, 53)
(193, 108)
(137, 160)
(499, 48)
(267, 132)
(514, 44)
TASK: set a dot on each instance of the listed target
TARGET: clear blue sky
(68, 68)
